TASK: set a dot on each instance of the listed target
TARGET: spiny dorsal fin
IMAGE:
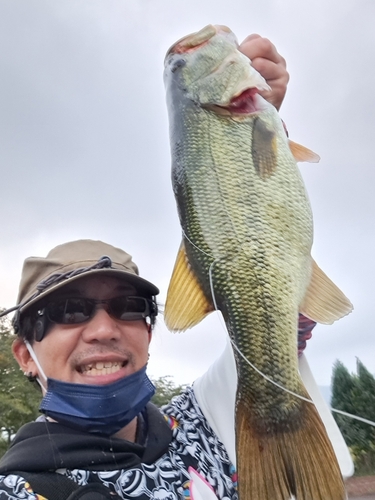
(186, 304)
(301, 153)
(324, 302)
(264, 149)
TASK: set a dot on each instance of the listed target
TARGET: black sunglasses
(73, 311)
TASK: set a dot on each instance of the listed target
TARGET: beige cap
(71, 261)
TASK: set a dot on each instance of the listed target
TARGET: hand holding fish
(270, 64)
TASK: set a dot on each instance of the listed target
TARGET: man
(84, 323)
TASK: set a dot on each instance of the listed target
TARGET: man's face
(99, 351)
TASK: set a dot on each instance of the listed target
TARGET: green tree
(165, 390)
(342, 389)
(355, 394)
(19, 401)
(364, 399)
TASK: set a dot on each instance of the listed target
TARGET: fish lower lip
(244, 103)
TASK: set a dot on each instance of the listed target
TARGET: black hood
(45, 446)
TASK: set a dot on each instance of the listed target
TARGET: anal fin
(324, 302)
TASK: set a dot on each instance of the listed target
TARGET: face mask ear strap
(40, 369)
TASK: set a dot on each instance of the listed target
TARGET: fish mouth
(245, 103)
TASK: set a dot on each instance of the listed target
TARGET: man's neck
(128, 432)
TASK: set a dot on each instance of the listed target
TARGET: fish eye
(177, 64)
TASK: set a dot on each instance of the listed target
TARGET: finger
(251, 37)
(270, 70)
(257, 46)
(277, 93)
(270, 64)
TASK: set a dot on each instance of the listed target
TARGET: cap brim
(142, 285)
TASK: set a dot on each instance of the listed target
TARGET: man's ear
(23, 357)
(149, 330)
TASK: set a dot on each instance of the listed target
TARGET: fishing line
(213, 293)
(299, 396)
(195, 246)
(242, 355)
(267, 378)
(369, 422)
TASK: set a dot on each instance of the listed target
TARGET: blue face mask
(100, 409)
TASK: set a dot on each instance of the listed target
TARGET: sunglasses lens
(75, 311)
(70, 311)
(129, 308)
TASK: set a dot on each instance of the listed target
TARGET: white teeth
(101, 368)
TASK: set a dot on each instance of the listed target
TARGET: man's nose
(101, 327)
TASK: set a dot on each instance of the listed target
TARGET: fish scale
(247, 236)
(228, 180)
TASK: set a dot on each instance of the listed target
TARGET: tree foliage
(355, 394)
(165, 390)
(19, 401)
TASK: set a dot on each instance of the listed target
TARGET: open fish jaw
(215, 74)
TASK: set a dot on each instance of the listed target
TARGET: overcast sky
(84, 145)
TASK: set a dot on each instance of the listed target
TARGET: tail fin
(278, 466)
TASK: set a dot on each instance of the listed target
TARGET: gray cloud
(84, 143)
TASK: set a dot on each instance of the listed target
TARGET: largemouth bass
(246, 251)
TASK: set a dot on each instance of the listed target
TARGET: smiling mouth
(101, 368)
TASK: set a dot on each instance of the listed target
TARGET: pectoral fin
(264, 149)
(324, 302)
(186, 304)
(301, 153)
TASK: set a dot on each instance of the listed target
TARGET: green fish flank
(253, 237)
(247, 234)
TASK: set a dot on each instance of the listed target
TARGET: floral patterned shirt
(196, 464)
